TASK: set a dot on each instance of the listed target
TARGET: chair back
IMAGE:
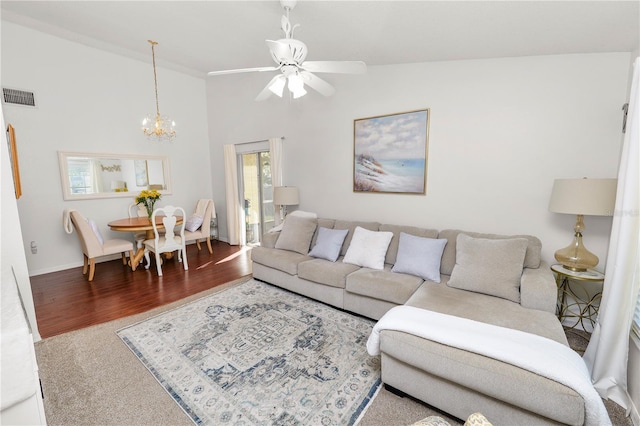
(169, 242)
(209, 213)
(137, 210)
(88, 240)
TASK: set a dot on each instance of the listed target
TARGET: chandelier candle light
(158, 127)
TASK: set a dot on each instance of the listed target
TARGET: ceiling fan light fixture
(277, 87)
(296, 86)
(289, 55)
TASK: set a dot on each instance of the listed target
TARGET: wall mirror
(96, 175)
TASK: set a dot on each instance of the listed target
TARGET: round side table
(583, 306)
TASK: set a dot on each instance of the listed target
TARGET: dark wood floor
(66, 301)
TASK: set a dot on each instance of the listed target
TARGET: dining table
(135, 224)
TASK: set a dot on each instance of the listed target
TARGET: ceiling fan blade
(342, 67)
(259, 69)
(317, 84)
(275, 85)
(280, 51)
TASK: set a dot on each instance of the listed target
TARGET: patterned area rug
(259, 355)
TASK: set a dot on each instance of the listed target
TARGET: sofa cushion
(489, 266)
(484, 308)
(328, 244)
(322, 271)
(368, 248)
(392, 252)
(383, 285)
(282, 260)
(351, 226)
(296, 234)
(419, 256)
(532, 258)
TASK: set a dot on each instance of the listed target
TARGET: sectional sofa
(370, 268)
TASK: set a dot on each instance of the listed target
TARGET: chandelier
(158, 127)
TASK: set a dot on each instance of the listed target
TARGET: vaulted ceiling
(201, 36)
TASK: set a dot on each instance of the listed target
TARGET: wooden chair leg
(124, 258)
(198, 244)
(158, 264)
(85, 265)
(92, 268)
(209, 245)
(147, 259)
(184, 258)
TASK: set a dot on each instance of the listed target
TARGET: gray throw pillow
(419, 256)
(489, 266)
(296, 234)
(328, 243)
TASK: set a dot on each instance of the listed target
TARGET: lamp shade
(589, 197)
(286, 196)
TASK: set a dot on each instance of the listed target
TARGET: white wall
(13, 261)
(501, 131)
(94, 101)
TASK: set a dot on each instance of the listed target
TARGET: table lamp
(594, 197)
(284, 196)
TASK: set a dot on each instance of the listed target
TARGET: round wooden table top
(138, 224)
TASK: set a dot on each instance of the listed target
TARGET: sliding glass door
(257, 193)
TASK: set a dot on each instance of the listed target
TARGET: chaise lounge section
(454, 380)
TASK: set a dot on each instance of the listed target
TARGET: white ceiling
(201, 36)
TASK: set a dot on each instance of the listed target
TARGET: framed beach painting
(390, 153)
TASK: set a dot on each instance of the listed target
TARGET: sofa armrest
(269, 239)
(538, 289)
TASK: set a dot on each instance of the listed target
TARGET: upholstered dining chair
(93, 245)
(169, 241)
(198, 225)
(138, 210)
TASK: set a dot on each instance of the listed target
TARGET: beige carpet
(89, 377)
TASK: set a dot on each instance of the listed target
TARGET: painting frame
(390, 153)
(141, 172)
(13, 157)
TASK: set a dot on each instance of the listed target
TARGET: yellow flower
(148, 197)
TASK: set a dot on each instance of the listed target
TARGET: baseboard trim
(64, 267)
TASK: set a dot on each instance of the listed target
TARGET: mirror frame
(64, 174)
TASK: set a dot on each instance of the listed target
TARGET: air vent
(18, 97)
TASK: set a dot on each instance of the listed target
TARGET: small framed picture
(13, 154)
(390, 153)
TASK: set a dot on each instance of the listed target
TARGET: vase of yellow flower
(148, 197)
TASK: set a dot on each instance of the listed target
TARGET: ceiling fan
(295, 72)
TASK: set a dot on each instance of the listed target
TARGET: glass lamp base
(575, 256)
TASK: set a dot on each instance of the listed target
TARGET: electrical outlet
(34, 247)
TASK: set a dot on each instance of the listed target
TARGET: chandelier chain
(155, 76)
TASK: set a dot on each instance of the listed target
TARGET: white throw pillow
(328, 243)
(193, 223)
(368, 248)
(94, 228)
(419, 256)
(489, 266)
